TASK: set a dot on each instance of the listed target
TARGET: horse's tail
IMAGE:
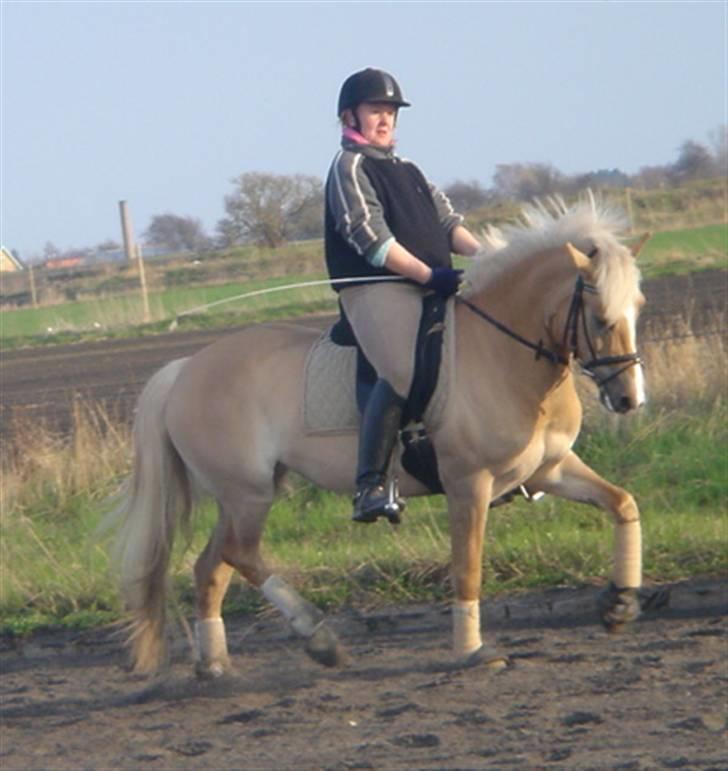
(155, 500)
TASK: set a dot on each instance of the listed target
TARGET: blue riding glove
(445, 281)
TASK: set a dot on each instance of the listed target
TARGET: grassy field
(672, 456)
(686, 250)
(116, 315)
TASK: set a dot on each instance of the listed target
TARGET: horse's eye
(602, 324)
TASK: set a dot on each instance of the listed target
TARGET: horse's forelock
(617, 279)
(588, 224)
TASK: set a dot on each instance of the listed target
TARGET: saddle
(418, 455)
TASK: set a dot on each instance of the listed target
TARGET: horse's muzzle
(621, 404)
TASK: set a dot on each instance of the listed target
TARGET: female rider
(383, 218)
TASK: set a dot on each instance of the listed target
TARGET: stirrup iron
(395, 505)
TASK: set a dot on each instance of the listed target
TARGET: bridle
(571, 331)
(570, 337)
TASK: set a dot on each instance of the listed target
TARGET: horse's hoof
(653, 599)
(323, 647)
(617, 607)
(488, 658)
(211, 670)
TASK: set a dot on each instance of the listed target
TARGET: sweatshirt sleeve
(356, 210)
(449, 218)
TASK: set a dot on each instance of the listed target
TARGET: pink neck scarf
(354, 136)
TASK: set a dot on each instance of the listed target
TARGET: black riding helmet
(370, 85)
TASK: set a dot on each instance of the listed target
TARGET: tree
(176, 233)
(226, 233)
(308, 221)
(270, 209)
(694, 162)
(595, 180)
(50, 251)
(524, 181)
(109, 245)
(719, 141)
(467, 196)
(652, 177)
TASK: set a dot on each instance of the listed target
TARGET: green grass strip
(674, 252)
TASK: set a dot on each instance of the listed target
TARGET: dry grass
(43, 465)
(686, 369)
(51, 493)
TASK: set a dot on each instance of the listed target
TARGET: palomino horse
(229, 420)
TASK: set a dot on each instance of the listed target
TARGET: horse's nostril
(625, 404)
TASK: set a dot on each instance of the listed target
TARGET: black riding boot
(379, 429)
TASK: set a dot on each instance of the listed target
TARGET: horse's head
(599, 327)
(602, 322)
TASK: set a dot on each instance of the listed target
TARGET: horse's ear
(637, 248)
(582, 262)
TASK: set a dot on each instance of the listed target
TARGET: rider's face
(376, 122)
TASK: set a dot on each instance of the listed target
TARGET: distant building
(55, 263)
(9, 263)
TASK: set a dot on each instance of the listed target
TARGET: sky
(163, 104)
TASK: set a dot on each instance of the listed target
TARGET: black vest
(409, 212)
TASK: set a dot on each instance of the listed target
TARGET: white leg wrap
(466, 627)
(628, 555)
(211, 644)
(300, 614)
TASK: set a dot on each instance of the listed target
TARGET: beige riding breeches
(385, 318)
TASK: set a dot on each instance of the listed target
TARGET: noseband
(570, 338)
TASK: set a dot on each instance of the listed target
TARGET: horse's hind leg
(235, 544)
(212, 578)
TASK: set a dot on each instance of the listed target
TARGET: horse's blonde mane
(587, 224)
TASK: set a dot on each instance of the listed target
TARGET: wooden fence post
(143, 283)
(33, 292)
(630, 212)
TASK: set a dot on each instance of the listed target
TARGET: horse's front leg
(468, 501)
(573, 479)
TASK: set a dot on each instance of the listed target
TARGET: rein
(570, 337)
(552, 356)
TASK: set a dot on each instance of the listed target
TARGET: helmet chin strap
(357, 122)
